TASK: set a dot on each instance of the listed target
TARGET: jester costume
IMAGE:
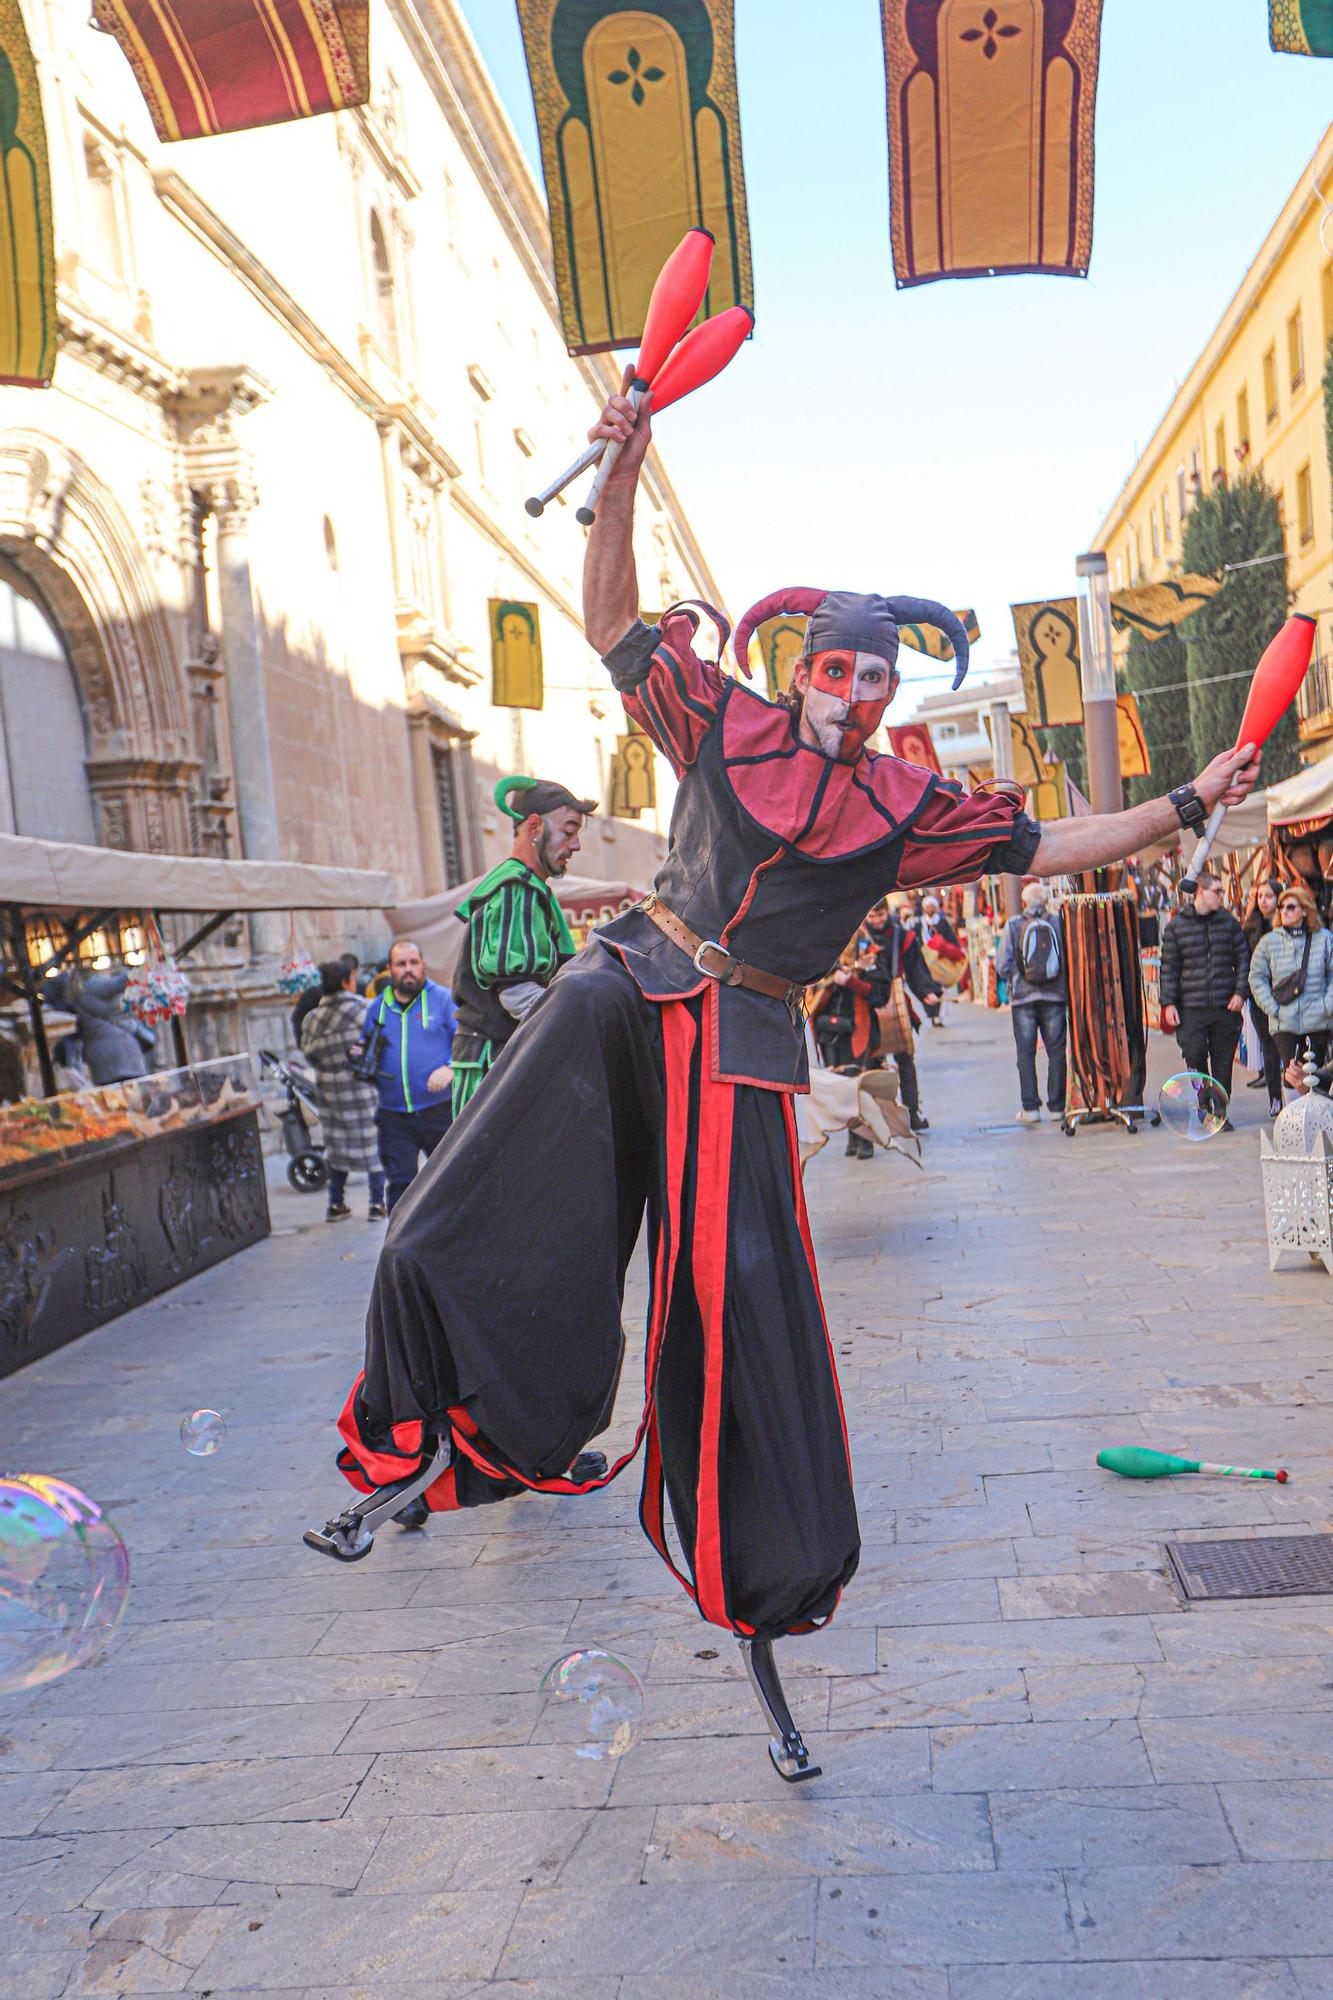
(517, 940)
(658, 1075)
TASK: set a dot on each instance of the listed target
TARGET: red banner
(209, 66)
(913, 743)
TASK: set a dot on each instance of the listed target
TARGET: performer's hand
(618, 425)
(1170, 1019)
(1235, 1004)
(1229, 778)
(440, 1080)
(841, 976)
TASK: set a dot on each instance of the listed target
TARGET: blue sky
(962, 440)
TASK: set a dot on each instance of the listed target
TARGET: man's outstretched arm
(610, 585)
(1068, 846)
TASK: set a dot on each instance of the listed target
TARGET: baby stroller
(307, 1168)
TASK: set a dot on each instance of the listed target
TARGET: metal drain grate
(1267, 1566)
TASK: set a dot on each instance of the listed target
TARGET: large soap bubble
(1193, 1106)
(591, 1702)
(203, 1432)
(64, 1579)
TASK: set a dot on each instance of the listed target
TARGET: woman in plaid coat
(346, 1105)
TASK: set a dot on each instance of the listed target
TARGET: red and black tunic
(635, 1087)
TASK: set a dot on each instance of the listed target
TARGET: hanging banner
(28, 268)
(1301, 27)
(1050, 798)
(210, 66)
(913, 742)
(1153, 608)
(1048, 659)
(1029, 765)
(641, 140)
(1134, 759)
(516, 654)
(633, 778)
(927, 640)
(991, 108)
(777, 644)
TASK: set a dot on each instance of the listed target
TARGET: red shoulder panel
(826, 811)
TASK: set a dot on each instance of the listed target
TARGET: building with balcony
(1254, 399)
(957, 722)
(267, 586)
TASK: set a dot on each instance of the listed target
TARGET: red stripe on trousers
(717, 1104)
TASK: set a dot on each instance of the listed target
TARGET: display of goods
(158, 988)
(298, 971)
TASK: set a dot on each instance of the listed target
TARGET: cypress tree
(1225, 637)
(1152, 664)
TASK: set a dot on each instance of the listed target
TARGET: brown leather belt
(716, 962)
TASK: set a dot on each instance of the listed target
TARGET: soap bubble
(591, 1702)
(1193, 1107)
(203, 1432)
(64, 1579)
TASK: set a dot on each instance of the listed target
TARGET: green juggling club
(1135, 1461)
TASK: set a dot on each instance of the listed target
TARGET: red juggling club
(676, 297)
(704, 353)
(1277, 679)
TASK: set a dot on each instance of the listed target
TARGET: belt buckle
(711, 944)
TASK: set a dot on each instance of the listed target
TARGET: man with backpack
(1031, 963)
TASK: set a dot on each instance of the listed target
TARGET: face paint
(846, 700)
(559, 840)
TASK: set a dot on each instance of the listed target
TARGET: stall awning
(54, 875)
(433, 926)
(1307, 794)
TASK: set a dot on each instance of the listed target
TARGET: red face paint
(847, 697)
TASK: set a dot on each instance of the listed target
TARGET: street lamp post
(1002, 763)
(1100, 729)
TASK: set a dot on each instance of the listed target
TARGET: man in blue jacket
(413, 1022)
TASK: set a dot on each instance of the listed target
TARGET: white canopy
(55, 875)
(433, 926)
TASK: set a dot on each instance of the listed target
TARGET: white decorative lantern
(1297, 1166)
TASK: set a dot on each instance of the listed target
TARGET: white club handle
(1205, 845)
(587, 513)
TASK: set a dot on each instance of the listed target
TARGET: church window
(386, 311)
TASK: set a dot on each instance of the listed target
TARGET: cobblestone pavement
(1045, 1778)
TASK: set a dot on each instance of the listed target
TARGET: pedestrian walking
(898, 957)
(942, 955)
(1258, 920)
(1031, 963)
(307, 1001)
(846, 1032)
(410, 1029)
(1292, 976)
(1205, 960)
(347, 1104)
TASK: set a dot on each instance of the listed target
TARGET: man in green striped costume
(517, 936)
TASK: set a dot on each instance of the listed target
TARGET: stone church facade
(250, 538)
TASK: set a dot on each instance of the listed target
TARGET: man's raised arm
(1070, 845)
(610, 585)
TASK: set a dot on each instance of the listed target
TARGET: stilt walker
(656, 1074)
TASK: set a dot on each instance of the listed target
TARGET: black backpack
(1039, 950)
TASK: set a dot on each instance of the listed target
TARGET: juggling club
(676, 297)
(1277, 679)
(1136, 1461)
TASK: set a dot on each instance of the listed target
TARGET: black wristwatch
(1190, 808)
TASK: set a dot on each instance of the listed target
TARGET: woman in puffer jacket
(1279, 956)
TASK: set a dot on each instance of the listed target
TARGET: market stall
(110, 1195)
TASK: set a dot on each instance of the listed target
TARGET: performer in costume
(657, 1074)
(517, 935)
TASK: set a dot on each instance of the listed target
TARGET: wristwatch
(1190, 808)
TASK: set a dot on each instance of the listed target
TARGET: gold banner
(1300, 27)
(28, 284)
(1134, 759)
(516, 653)
(633, 778)
(990, 136)
(1153, 608)
(640, 136)
(1048, 659)
(776, 644)
(926, 639)
(1050, 799)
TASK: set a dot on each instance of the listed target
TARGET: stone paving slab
(1045, 1777)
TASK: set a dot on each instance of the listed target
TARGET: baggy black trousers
(496, 1310)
